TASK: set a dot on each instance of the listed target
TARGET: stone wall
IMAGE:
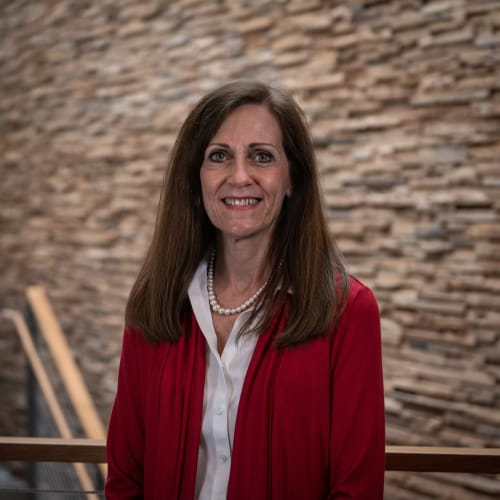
(403, 98)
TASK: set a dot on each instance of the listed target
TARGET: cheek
(203, 180)
(206, 186)
(207, 202)
(209, 198)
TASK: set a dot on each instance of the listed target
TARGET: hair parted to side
(311, 265)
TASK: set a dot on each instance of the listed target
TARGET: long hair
(305, 259)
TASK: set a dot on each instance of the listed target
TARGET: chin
(237, 234)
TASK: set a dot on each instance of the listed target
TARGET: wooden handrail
(442, 459)
(48, 393)
(35, 449)
(63, 358)
(398, 458)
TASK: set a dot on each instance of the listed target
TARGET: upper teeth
(241, 201)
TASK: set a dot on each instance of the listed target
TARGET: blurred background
(403, 100)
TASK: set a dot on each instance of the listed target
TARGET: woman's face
(245, 175)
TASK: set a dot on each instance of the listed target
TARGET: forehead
(252, 122)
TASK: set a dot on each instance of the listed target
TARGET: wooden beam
(49, 394)
(398, 458)
(442, 459)
(35, 449)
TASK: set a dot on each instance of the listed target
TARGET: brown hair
(311, 265)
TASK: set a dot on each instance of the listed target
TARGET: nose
(240, 173)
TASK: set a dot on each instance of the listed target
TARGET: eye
(217, 156)
(263, 156)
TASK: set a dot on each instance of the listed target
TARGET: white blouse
(223, 384)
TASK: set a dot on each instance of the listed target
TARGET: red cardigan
(310, 421)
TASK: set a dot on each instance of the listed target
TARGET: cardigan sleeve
(357, 435)
(125, 439)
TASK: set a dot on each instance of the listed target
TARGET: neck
(241, 266)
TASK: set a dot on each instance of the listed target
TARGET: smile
(241, 202)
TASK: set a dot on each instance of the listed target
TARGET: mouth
(241, 202)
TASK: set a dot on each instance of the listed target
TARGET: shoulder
(358, 332)
(361, 313)
(134, 348)
(133, 336)
(135, 345)
(360, 296)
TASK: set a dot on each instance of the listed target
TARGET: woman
(251, 362)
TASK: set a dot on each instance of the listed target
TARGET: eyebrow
(251, 145)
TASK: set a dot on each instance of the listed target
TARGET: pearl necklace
(214, 304)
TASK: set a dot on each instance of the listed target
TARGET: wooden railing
(49, 328)
(49, 394)
(398, 458)
(65, 362)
